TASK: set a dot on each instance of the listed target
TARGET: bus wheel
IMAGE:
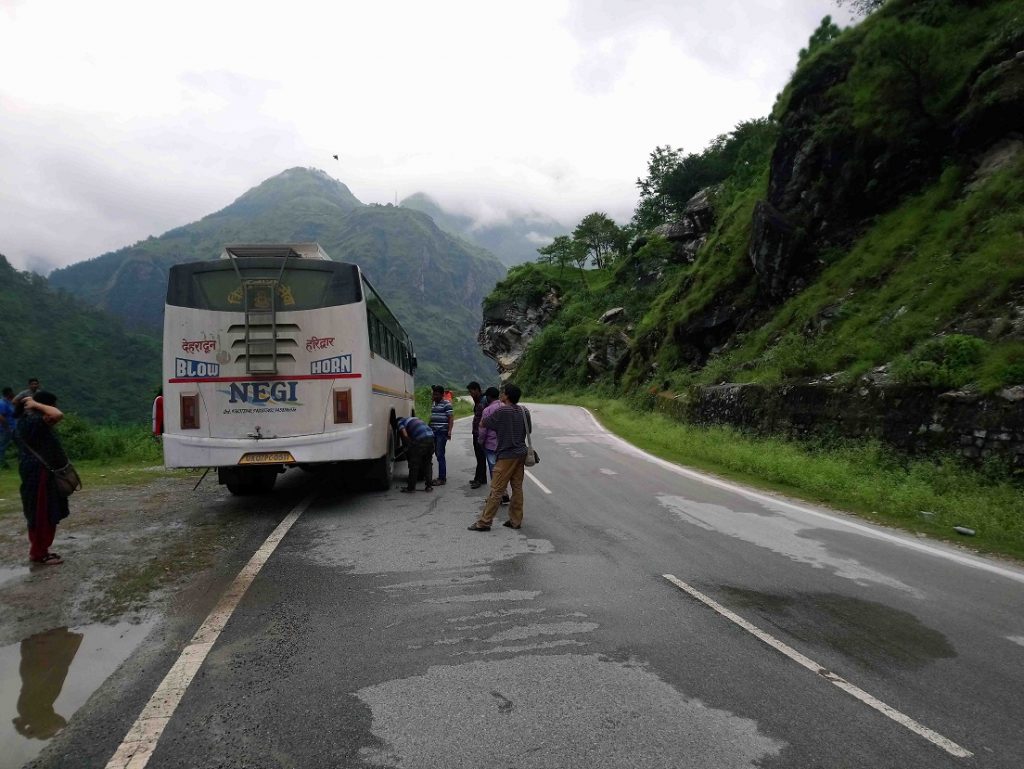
(382, 470)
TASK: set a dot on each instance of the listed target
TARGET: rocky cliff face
(828, 176)
(509, 327)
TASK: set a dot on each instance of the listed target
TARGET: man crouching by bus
(419, 442)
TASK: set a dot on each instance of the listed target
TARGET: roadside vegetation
(927, 495)
(104, 455)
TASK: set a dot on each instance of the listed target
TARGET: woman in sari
(43, 505)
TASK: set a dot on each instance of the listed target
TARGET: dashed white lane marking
(906, 721)
(140, 742)
(606, 471)
(1017, 639)
(540, 485)
(963, 560)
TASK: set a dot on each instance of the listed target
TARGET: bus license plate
(266, 458)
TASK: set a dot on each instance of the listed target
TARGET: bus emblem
(339, 364)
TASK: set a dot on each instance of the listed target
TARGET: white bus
(276, 355)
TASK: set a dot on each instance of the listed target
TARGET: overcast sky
(120, 120)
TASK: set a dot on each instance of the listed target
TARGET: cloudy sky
(120, 120)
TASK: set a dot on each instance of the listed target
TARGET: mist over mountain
(514, 240)
(433, 281)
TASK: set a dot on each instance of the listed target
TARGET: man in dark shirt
(479, 402)
(511, 422)
(419, 441)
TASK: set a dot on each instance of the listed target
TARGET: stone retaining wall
(914, 419)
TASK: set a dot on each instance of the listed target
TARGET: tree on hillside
(861, 7)
(654, 206)
(826, 32)
(562, 252)
(600, 238)
(903, 74)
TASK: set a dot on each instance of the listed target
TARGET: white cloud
(121, 119)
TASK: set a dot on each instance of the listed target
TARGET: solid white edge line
(139, 743)
(540, 485)
(903, 720)
(963, 560)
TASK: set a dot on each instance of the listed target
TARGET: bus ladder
(260, 320)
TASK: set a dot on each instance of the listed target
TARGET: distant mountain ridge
(433, 281)
(513, 241)
(96, 368)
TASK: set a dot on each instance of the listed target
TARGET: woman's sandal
(50, 559)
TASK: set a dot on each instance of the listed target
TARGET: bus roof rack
(275, 250)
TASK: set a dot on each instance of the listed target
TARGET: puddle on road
(872, 634)
(779, 534)
(553, 711)
(46, 677)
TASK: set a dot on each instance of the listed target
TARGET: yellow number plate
(266, 458)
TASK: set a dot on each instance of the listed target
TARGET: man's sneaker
(504, 499)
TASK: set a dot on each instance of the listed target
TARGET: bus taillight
(189, 412)
(342, 407)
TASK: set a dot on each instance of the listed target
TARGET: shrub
(945, 361)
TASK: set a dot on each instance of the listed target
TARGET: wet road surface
(381, 633)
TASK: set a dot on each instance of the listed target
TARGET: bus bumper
(197, 451)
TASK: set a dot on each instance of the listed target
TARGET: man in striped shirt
(511, 422)
(442, 419)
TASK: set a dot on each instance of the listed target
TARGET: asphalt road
(382, 633)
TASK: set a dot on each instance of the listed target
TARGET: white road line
(963, 560)
(606, 471)
(540, 485)
(140, 742)
(934, 737)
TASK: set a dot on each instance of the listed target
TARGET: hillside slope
(97, 369)
(397, 248)
(871, 229)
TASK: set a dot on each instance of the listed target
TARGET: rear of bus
(267, 364)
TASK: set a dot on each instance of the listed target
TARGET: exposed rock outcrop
(508, 328)
(689, 230)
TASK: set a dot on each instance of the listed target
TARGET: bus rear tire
(382, 471)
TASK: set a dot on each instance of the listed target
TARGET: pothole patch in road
(437, 541)
(781, 535)
(554, 711)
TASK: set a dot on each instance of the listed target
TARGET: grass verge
(919, 495)
(95, 473)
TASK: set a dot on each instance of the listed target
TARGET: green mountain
(433, 281)
(869, 230)
(85, 356)
(513, 241)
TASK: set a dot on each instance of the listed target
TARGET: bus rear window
(217, 287)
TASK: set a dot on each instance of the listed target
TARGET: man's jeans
(480, 475)
(440, 442)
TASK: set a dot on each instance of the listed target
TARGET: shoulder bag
(532, 457)
(66, 478)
